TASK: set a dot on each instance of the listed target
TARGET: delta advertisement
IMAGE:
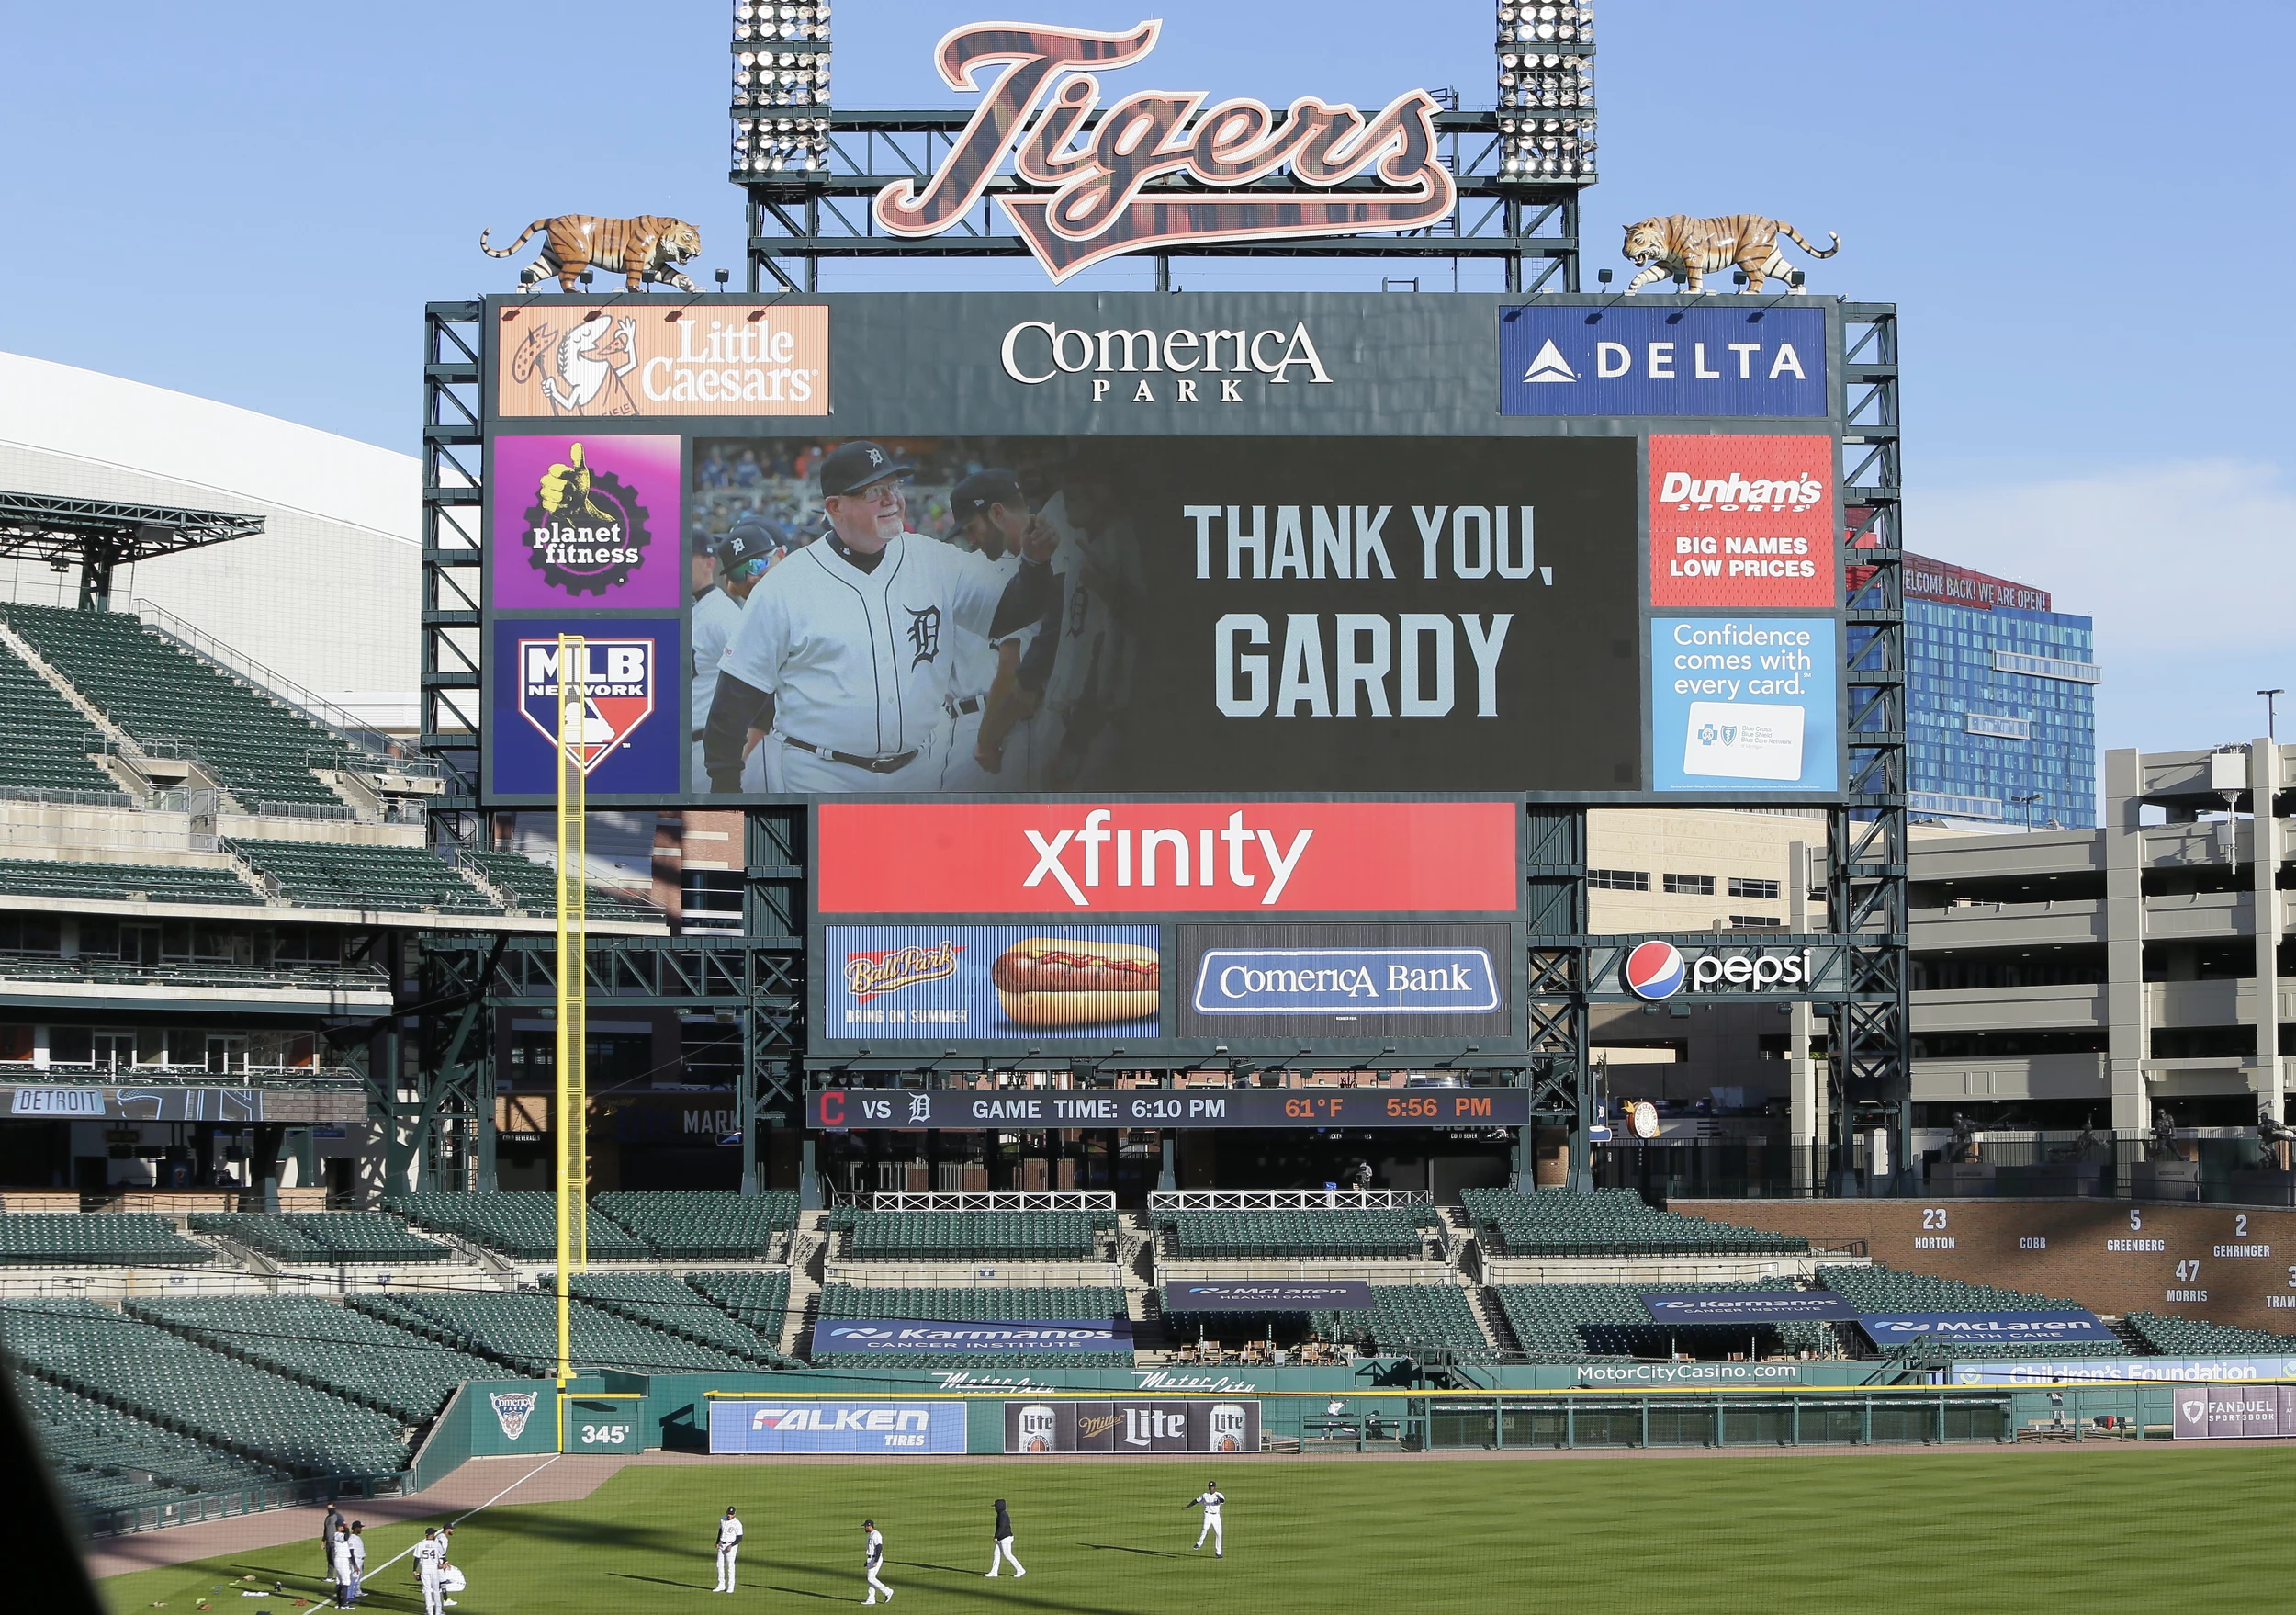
(1131, 1426)
(1745, 703)
(775, 1424)
(1660, 359)
(860, 1337)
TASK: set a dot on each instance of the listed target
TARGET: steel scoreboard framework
(1338, 575)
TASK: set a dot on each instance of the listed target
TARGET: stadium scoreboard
(1338, 582)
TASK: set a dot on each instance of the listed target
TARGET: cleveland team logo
(586, 530)
(618, 685)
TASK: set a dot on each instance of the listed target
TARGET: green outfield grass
(2101, 1531)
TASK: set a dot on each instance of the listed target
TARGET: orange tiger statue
(1691, 249)
(645, 248)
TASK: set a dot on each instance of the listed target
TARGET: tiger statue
(645, 248)
(1691, 249)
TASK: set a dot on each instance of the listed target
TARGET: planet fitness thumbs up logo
(586, 529)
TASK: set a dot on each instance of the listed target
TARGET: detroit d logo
(924, 633)
(585, 531)
(617, 688)
(511, 1410)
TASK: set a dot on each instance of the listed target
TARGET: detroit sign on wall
(1087, 203)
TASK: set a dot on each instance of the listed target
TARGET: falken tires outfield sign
(1132, 1426)
(766, 1424)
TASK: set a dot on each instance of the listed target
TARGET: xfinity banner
(1888, 1330)
(856, 1336)
(1131, 1426)
(1750, 1307)
(782, 1425)
(1331, 1295)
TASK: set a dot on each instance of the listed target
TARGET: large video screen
(1197, 546)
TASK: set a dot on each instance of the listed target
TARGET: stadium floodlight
(781, 90)
(1546, 60)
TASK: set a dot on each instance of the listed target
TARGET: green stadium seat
(337, 874)
(518, 1223)
(703, 1224)
(349, 1353)
(159, 883)
(44, 740)
(103, 1458)
(968, 1235)
(2192, 1336)
(522, 1331)
(1879, 1288)
(1346, 1233)
(1560, 1323)
(1609, 1222)
(99, 1239)
(665, 1301)
(159, 1375)
(533, 887)
(321, 1237)
(757, 1300)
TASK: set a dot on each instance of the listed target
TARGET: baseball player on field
(845, 656)
(873, 1560)
(430, 1553)
(744, 555)
(1209, 1500)
(993, 518)
(728, 1545)
(1002, 1553)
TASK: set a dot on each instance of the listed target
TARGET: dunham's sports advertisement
(1116, 544)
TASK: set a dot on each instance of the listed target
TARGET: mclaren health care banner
(1888, 1330)
(898, 1425)
(1068, 1336)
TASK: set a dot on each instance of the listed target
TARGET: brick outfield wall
(2220, 1264)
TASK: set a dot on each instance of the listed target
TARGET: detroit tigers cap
(982, 488)
(853, 466)
(748, 539)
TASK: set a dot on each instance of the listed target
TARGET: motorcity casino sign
(1084, 200)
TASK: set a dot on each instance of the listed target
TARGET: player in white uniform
(994, 518)
(728, 1545)
(873, 1560)
(428, 1554)
(346, 1579)
(844, 655)
(1209, 1500)
(743, 555)
(359, 1560)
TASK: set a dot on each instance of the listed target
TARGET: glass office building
(2000, 702)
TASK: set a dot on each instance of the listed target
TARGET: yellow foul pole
(572, 908)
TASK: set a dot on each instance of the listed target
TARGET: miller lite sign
(617, 690)
(1083, 188)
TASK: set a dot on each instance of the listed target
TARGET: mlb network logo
(617, 694)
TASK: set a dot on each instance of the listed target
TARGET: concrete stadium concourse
(324, 596)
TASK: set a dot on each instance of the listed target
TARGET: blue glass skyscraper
(2000, 701)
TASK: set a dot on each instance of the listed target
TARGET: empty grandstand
(159, 1375)
(760, 1300)
(532, 888)
(321, 1237)
(46, 745)
(111, 1463)
(331, 874)
(117, 1239)
(1879, 1290)
(1562, 1323)
(521, 1331)
(520, 1223)
(347, 1353)
(1608, 1222)
(676, 1306)
(962, 1235)
(703, 1224)
(1400, 1232)
(120, 883)
(984, 1303)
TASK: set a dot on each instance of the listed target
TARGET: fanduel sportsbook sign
(1082, 199)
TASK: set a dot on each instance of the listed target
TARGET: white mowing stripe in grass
(458, 1518)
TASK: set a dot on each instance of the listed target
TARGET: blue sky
(2082, 214)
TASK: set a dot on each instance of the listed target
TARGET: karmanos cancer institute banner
(908, 1334)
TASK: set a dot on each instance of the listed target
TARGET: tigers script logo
(1089, 204)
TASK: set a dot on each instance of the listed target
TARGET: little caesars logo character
(586, 530)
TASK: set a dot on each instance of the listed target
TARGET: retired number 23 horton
(1167, 926)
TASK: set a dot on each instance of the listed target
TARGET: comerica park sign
(1013, 1110)
(1084, 199)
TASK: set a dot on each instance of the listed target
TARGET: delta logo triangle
(1549, 365)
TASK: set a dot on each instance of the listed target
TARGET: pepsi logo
(1655, 970)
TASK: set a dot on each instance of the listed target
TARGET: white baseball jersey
(358, 1552)
(716, 618)
(862, 663)
(876, 1549)
(429, 1553)
(1210, 1502)
(728, 1532)
(344, 1562)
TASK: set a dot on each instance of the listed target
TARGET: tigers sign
(621, 359)
(1083, 202)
